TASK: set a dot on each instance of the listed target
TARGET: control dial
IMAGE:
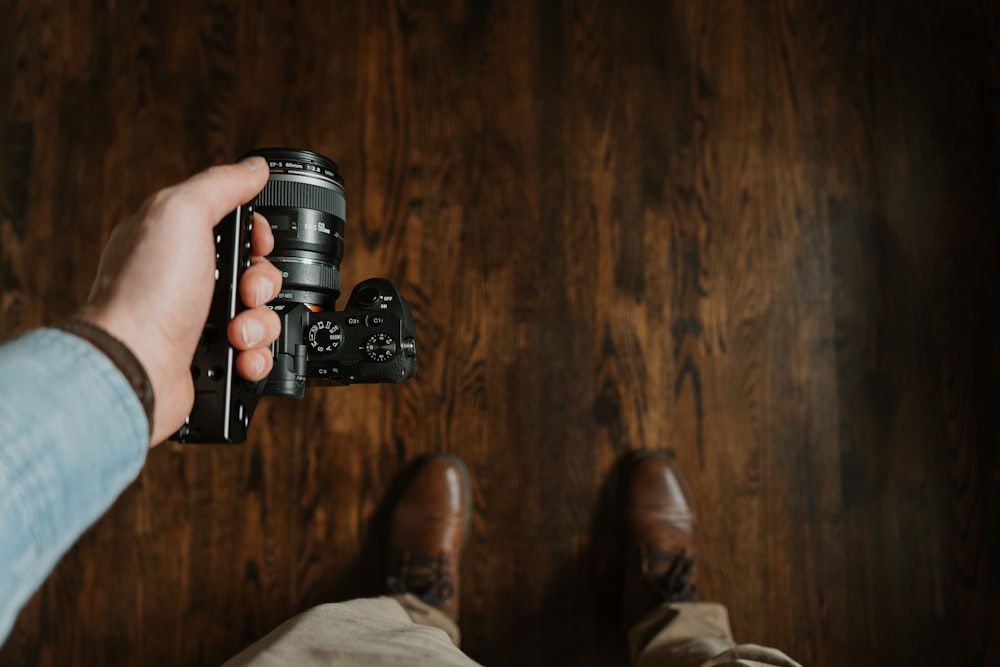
(381, 347)
(325, 336)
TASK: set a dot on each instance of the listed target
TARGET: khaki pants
(402, 630)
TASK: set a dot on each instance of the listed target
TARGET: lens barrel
(305, 205)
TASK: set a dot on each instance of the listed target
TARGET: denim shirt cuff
(73, 435)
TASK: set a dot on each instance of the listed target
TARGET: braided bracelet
(120, 356)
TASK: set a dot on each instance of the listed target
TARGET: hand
(156, 277)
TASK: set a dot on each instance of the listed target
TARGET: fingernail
(253, 332)
(258, 364)
(254, 162)
(263, 291)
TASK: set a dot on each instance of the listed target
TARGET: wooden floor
(761, 235)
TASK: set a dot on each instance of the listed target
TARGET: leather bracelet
(122, 357)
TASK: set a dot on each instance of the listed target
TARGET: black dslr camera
(371, 340)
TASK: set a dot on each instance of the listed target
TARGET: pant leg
(368, 632)
(424, 614)
(695, 634)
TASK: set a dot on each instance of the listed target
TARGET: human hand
(155, 282)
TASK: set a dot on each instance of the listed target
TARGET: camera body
(371, 340)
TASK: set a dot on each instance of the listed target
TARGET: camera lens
(304, 203)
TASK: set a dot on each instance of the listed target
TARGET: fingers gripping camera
(371, 340)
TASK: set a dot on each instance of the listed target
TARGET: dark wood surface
(761, 235)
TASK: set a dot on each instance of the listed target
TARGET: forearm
(73, 435)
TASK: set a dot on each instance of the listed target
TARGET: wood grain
(761, 235)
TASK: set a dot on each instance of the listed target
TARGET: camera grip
(222, 404)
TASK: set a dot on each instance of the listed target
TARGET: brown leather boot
(427, 533)
(660, 562)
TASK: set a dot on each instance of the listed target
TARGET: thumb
(218, 190)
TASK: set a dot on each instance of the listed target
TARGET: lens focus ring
(296, 194)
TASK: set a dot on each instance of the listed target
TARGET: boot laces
(424, 577)
(672, 583)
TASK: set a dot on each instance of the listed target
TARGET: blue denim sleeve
(73, 435)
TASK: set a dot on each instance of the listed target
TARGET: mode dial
(325, 336)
